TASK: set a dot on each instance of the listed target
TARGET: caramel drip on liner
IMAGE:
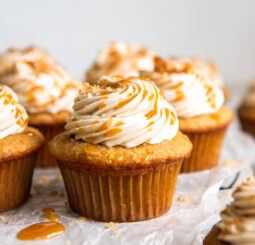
(41, 231)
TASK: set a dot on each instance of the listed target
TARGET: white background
(73, 31)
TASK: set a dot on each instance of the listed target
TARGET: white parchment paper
(196, 206)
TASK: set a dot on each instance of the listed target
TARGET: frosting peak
(238, 219)
(126, 111)
(41, 84)
(121, 58)
(13, 117)
(189, 92)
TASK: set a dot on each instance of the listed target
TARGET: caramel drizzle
(111, 129)
(41, 231)
(48, 67)
(9, 100)
(50, 214)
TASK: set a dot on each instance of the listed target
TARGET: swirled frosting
(190, 93)
(121, 58)
(41, 84)
(13, 117)
(122, 111)
(238, 219)
(206, 68)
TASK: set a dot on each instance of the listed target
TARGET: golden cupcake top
(40, 83)
(189, 92)
(119, 58)
(13, 117)
(238, 219)
(125, 111)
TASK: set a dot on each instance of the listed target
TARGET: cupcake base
(247, 120)
(44, 159)
(117, 197)
(206, 150)
(15, 181)
(212, 237)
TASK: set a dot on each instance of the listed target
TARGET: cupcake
(205, 68)
(121, 153)
(246, 111)
(237, 225)
(199, 106)
(19, 145)
(44, 89)
(120, 58)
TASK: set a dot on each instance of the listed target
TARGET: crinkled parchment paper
(195, 208)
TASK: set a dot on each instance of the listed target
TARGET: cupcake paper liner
(15, 181)
(248, 125)
(206, 150)
(44, 159)
(122, 198)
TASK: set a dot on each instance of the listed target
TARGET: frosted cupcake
(44, 89)
(238, 219)
(246, 110)
(19, 145)
(120, 58)
(121, 153)
(199, 106)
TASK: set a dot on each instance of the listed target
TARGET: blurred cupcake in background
(237, 225)
(206, 68)
(122, 151)
(19, 145)
(44, 88)
(199, 106)
(246, 110)
(119, 58)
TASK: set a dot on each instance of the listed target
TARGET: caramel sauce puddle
(41, 231)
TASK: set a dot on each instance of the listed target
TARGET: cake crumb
(33, 213)
(218, 206)
(187, 199)
(118, 232)
(2, 217)
(68, 242)
(8, 222)
(229, 193)
(54, 193)
(178, 199)
(111, 225)
(43, 180)
(221, 196)
(58, 177)
(233, 163)
(69, 224)
(62, 194)
(82, 218)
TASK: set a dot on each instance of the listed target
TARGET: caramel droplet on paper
(41, 231)
(50, 214)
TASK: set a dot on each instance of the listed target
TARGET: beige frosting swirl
(238, 219)
(206, 68)
(190, 93)
(122, 111)
(121, 58)
(13, 117)
(41, 84)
